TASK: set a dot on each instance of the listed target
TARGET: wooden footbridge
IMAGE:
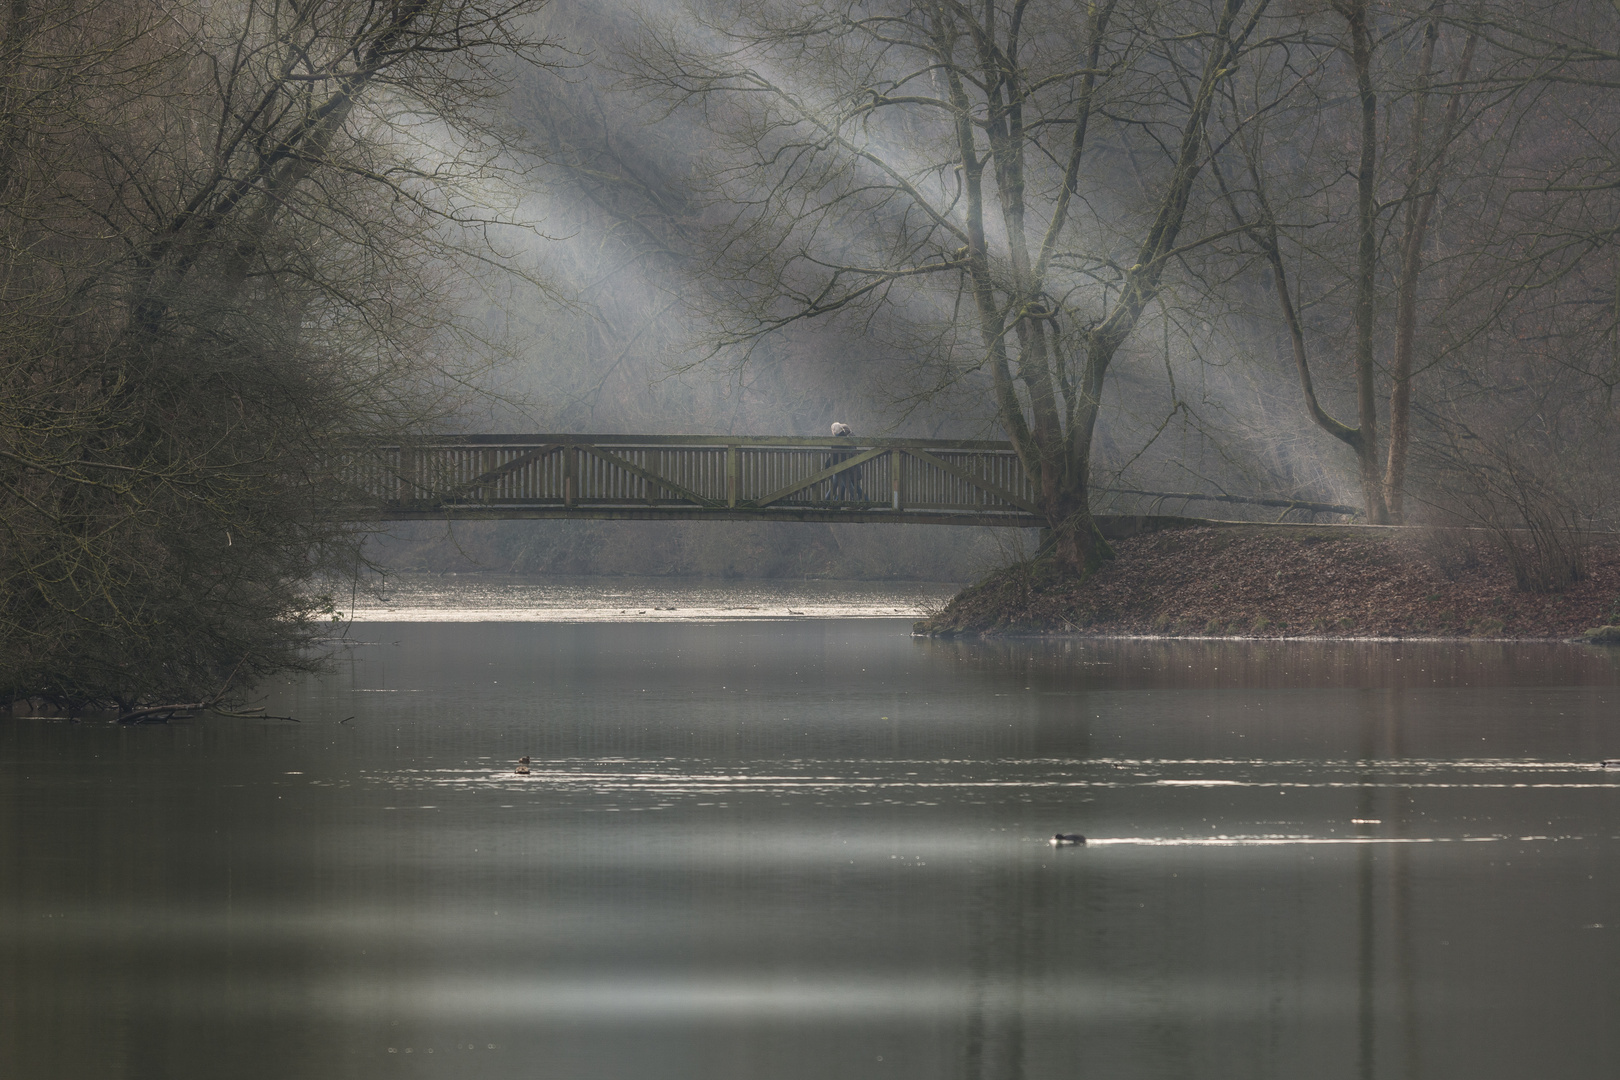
(718, 477)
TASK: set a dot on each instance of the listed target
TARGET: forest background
(1333, 251)
(1391, 282)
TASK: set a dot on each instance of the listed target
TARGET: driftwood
(168, 712)
(136, 716)
(253, 714)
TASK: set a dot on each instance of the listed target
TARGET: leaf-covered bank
(1257, 581)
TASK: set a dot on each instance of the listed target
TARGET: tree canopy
(232, 236)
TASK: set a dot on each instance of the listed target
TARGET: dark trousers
(845, 486)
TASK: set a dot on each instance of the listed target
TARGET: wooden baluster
(570, 474)
(406, 476)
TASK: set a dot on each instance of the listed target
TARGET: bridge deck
(721, 477)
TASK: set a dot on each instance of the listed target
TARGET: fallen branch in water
(254, 714)
(136, 716)
(169, 712)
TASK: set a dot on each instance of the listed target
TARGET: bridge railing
(943, 481)
(695, 475)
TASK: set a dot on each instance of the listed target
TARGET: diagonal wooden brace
(651, 477)
(485, 479)
(825, 474)
(963, 474)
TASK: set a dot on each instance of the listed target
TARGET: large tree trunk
(1077, 542)
(1058, 454)
(1422, 184)
(1366, 275)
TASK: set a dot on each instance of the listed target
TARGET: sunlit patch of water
(1290, 847)
(858, 997)
(676, 777)
(1282, 841)
(518, 598)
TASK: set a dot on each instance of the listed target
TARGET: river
(760, 846)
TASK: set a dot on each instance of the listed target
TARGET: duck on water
(1067, 839)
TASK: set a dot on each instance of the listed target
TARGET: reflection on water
(817, 848)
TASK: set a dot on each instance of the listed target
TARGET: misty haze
(809, 538)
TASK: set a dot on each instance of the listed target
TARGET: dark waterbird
(523, 765)
(1067, 839)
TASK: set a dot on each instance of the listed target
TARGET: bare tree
(1014, 184)
(232, 234)
(1380, 137)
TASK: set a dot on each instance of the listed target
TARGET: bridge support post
(896, 463)
(570, 474)
(733, 462)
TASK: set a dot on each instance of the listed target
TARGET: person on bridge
(846, 485)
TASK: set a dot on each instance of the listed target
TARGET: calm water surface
(809, 849)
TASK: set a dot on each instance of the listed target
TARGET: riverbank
(1298, 581)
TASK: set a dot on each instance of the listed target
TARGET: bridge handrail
(815, 442)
